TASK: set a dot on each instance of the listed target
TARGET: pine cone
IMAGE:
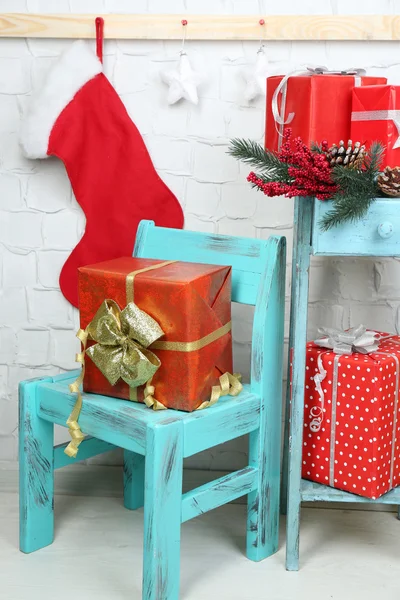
(389, 181)
(352, 157)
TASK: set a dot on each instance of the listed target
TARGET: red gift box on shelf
(351, 437)
(375, 117)
(186, 307)
(316, 105)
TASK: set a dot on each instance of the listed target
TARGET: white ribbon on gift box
(279, 115)
(347, 342)
(380, 115)
(357, 339)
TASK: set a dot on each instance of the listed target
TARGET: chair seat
(108, 418)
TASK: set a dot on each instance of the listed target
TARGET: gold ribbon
(72, 422)
(149, 399)
(131, 277)
(123, 338)
(196, 344)
(121, 351)
(228, 384)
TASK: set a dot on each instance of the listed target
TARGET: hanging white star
(182, 81)
(256, 78)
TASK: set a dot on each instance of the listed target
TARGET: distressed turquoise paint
(133, 480)
(229, 419)
(266, 382)
(155, 443)
(246, 255)
(363, 237)
(36, 475)
(315, 492)
(102, 417)
(162, 511)
(355, 239)
(88, 448)
(218, 492)
(297, 341)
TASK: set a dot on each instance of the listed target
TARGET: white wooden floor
(346, 555)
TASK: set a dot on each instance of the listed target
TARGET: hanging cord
(262, 34)
(184, 23)
(99, 38)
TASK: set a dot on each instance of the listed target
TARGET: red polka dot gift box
(351, 438)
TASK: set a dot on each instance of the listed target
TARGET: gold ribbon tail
(228, 385)
(73, 427)
(149, 399)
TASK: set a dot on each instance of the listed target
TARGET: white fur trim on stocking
(75, 67)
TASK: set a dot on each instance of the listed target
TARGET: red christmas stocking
(78, 117)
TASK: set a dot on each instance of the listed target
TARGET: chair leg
(36, 473)
(263, 503)
(398, 512)
(133, 480)
(285, 456)
(163, 511)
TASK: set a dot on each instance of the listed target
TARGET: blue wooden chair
(165, 438)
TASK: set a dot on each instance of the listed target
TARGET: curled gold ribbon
(72, 422)
(149, 399)
(228, 384)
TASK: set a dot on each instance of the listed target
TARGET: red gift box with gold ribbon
(315, 104)
(189, 307)
(375, 117)
(351, 437)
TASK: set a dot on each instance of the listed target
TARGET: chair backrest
(247, 256)
(258, 278)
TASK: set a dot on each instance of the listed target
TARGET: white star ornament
(182, 82)
(256, 78)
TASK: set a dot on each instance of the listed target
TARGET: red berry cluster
(309, 171)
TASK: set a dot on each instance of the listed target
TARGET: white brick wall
(40, 221)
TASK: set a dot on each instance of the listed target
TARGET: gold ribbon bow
(123, 337)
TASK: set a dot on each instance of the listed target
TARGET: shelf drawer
(377, 234)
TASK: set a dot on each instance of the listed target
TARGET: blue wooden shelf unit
(378, 234)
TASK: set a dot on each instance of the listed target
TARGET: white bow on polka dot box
(351, 435)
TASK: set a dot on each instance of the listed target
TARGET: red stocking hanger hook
(99, 37)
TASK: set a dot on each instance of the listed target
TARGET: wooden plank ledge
(218, 492)
(317, 492)
(203, 27)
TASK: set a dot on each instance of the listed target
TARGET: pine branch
(317, 148)
(374, 158)
(358, 189)
(352, 201)
(252, 153)
(346, 209)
